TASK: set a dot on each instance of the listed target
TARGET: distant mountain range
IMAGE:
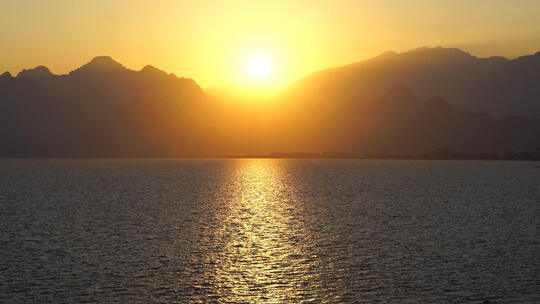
(402, 123)
(394, 104)
(102, 109)
(494, 85)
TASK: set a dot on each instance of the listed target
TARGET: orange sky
(212, 41)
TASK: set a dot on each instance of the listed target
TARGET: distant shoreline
(320, 157)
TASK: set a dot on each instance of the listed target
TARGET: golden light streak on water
(262, 257)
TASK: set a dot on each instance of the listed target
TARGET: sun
(259, 66)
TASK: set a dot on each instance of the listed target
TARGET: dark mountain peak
(39, 71)
(387, 54)
(6, 75)
(439, 52)
(101, 64)
(104, 62)
(151, 70)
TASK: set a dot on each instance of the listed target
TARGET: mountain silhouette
(494, 85)
(100, 64)
(40, 71)
(510, 89)
(403, 123)
(6, 75)
(104, 109)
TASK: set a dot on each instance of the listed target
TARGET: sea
(269, 231)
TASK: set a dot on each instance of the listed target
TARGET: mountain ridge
(442, 72)
(39, 71)
(104, 109)
(103, 64)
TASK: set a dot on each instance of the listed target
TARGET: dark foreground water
(269, 231)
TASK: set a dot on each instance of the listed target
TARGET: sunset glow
(259, 67)
(210, 41)
(269, 151)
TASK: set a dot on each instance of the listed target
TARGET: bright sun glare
(259, 67)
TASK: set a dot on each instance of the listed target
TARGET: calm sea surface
(269, 231)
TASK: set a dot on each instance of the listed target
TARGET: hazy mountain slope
(403, 123)
(103, 109)
(511, 89)
(466, 81)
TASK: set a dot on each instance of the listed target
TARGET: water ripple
(269, 231)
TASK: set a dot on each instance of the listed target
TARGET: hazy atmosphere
(212, 41)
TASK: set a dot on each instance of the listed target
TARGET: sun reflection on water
(261, 257)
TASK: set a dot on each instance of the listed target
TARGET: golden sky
(212, 41)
